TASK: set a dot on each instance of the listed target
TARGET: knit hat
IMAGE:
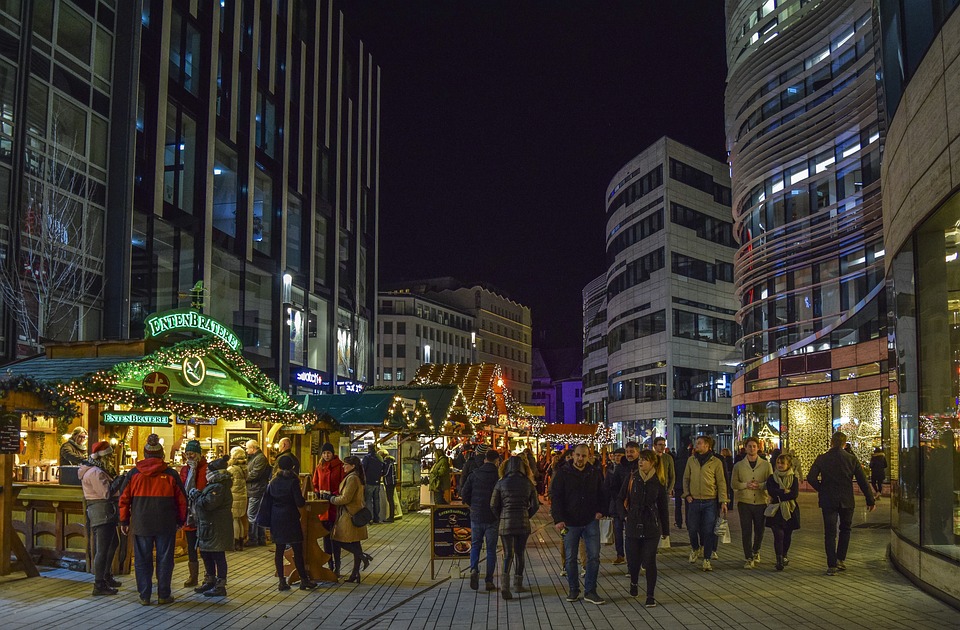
(100, 449)
(218, 464)
(327, 447)
(153, 447)
(193, 446)
(481, 449)
(285, 463)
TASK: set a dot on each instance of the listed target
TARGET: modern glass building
(594, 396)
(668, 304)
(232, 143)
(804, 134)
(921, 213)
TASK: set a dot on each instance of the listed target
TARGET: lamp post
(286, 307)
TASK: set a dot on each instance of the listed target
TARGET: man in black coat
(258, 476)
(614, 482)
(831, 476)
(286, 451)
(476, 493)
(373, 470)
(578, 502)
(474, 462)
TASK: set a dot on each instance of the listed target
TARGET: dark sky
(503, 122)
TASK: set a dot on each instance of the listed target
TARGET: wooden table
(315, 557)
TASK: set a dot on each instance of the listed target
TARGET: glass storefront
(925, 283)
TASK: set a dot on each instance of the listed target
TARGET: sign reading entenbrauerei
(140, 418)
(160, 324)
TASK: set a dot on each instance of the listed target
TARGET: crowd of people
(228, 504)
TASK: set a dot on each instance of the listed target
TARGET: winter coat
(576, 495)
(283, 455)
(614, 482)
(258, 474)
(199, 483)
(280, 508)
(440, 475)
(372, 469)
(670, 468)
(705, 481)
(349, 502)
(646, 507)
(389, 471)
(212, 507)
(72, 454)
(470, 466)
(238, 470)
(477, 492)
(327, 477)
(514, 500)
(830, 476)
(743, 474)
(878, 467)
(777, 495)
(153, 501)
(102, 504)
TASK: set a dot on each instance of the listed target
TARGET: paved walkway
(397, 591)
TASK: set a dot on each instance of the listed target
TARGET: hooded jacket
(576, 495)
(477, 492)
(514, 499)
(327, 477)
(153, 502)
(212, 507)
(101, 503)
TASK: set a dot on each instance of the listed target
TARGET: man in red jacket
(154, 503)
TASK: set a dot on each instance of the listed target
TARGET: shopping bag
(397, 512)
(664, 542)
(722, 530)
(606, 531)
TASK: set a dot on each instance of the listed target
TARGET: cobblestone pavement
(397, 591)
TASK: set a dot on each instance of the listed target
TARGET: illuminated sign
(194, 371)
(142, 418)
(350, 387)
(161, 324)
(307, 377)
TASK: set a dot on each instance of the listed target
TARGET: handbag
(362, 517)
(771, 510)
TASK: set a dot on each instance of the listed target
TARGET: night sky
(504, 122)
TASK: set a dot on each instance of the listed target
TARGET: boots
(505, 586)
(218, 590)
(238, 544)
(355, 576)
(194, 569)
(112, 582)
(208, 583)
(518, 584)
(103, 588)
(779, 563)
(306, 584)
(283, 584)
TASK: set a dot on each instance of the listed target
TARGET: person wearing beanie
(389, 483)
(154, 504)
(258, 475)
(213, 508)
(326, 479)
(102, 515)
(280, 512)
(373, 470)
(479, 453)
(237, 466)
(194, 477)
(74, 451)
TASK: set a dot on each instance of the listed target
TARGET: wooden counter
(50, 520)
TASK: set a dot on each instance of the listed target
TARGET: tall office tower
(669, 296)
(594, 399)
(230, 143)
(804, 135)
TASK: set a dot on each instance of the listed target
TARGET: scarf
(704, 458)
(646, 476)
(785, 481)
(191, 474)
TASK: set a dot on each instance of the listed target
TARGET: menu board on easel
(450, 533)
(9, 434)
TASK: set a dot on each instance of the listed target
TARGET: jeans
(618, 535)
(371, 498)
(836, 548)
(483, 534)
(257, 535)
(514, 548)
(590, 533)
(143, 564)
(751, 528)
(215, 564)
(106, 541)
(701, 520)
(642, 552)
(390, 504)
(191, 536)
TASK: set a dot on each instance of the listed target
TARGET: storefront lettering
(305, 376)
(141, 418)
(163, 323)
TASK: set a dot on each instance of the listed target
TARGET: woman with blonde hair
(514, 502)
(237, 467)
(644, 497)
(346, 535)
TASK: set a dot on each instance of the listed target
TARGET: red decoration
(156, 383)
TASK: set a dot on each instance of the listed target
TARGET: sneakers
(573, 596)
(756, 557)
(144, 602)
(619, 560)
(715, 556)
(841, 565)
(694, 554)
(475, 579)
(563, 572)
(102, 588)
(583, 571)
(749, 564)
(650, 603)
(831, 571)
(633, 590)
(594, 598)
(707, 566)
(165, 600)
(786, 561)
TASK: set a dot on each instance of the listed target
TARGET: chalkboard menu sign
(9, 434)
(450, 533)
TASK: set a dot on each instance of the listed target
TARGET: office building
(557, 384)
(594, 379)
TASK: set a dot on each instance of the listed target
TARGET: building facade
(669, 296)
(234, 144)
(503, 327)
(804, 137)
(921, 215)
(594, 379)
(413, 330)
(557, 384)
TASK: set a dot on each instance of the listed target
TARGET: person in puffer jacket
(238, 470)
(213, 508)
(513, 502)
(103, 515)
(154, 504)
